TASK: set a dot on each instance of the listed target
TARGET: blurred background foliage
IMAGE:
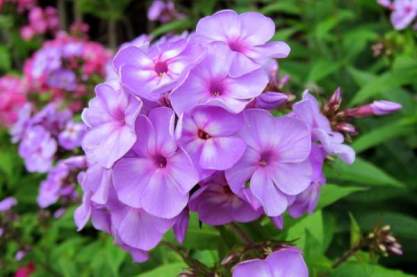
(335, 43)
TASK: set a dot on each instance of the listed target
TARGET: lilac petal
(100, 218)
(110, 98)
(220, 25)
(221, 153)
(274, 49)
(216, 121)
(181, 225)
(162, 198)
(256, 28)
(146, 141)
(294, 139)
(238, 175)
(99, 140)
(131, 55)
(191, 93)
(249, 85)
(293, 179)
(287, 262)
(278, 222)
(182, 171)
(83, 212)
(253, 268)
(257, 130)
(141, 81)
(131, 176)
(272, 200)
(101, 195)
(163, 120)
(139, 229)
(242, 64)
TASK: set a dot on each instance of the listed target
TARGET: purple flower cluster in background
(404, 12)
(184, 125)
(45, 137)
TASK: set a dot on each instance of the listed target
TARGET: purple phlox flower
(216, 204)
(271, 100)
(163, 11)
(284, 262)
(75, 162)
(37, 149)
(46, 60)
(404, 12)
(71, 137)
(72, 49)
(62, 79)
(59, 213)
(276, 160)
(384, 107)
(376, 108)
(20, 254)
(18, 129)
(51, 118)
(209, 135)
(181, 225)
(308, 111)
(385, 3)
(50, 188)
(247, 36)
(157, 175)
(306, 201)
(110, 117)
(210, 83)
(7, 203)
(150, 73)
(278, 221)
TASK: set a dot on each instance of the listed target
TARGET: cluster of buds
(341, 119)
(382, 241)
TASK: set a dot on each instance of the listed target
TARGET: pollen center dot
(161, 68)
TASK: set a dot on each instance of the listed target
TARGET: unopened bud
(376, 108)
(335, 100)
(271, 100)
(346, 128)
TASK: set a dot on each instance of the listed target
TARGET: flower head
(275, 162)
(110, 118)
(247, 35)
(157, 174)
(210, 83)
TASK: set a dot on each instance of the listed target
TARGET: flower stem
(349, 253)
(241, 234)
(197, 267)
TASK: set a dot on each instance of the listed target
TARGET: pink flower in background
(12, 98)
(7, 203)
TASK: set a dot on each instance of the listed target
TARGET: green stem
(241, 234)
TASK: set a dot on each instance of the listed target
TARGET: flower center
(266, 158)
(203, 134)
(161, 68)
(160, 161)
(236, 45)
(216, 89)
(408, 9)
(119, 115)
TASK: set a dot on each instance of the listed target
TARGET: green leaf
(322, 68)
(386, 82)
(5, 59)
(172, 269)
(177, 26)
(313, 224)
(330, 193)
(382, 134)
(350, 269)
(355, 231)
(361, 172)
(286, 7)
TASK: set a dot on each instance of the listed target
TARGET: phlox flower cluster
(66, 67)
(12, 97)
(185, 125)
(403, 12)
(41, 21)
